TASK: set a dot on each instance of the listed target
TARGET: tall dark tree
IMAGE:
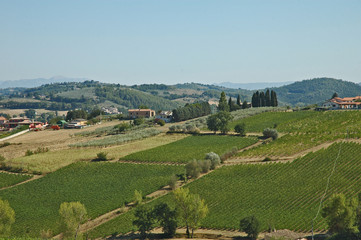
(262, 99)
(274, 102)
(268, 98)
(334, 95)
(254, 100)
(238, 100)
(245, 105)
(223, 105)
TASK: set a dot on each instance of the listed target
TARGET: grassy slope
(11, 179)
(193, 147)
(282, 195)
(101, 187)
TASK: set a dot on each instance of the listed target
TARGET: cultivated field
(101, 187)
(280, 195)
(7, 179)
(192, 147)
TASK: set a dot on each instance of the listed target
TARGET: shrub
(138, 197)
(192, 169)
(2, 158)
(160, 122)
(5, 144)
(102, 156)
(122, 127)
(204, 165)
(267, 159)
(29, 153)
(41, 150)
(173, 182)
(138, 121)
(172, 128)
(214, 158)
(229, 154)
(240, 128)
(269, 132)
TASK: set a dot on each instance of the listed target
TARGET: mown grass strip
(7, 179)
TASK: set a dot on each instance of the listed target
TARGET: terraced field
(281, 195)
(101, 187)
(7, 179)
(192, 147)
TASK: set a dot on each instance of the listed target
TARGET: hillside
(315, 91)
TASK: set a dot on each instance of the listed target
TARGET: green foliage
(101, 156)
(261, 99)
(251, 226)
(138, 121)
(167, 219)
(31, 113)
(197, 147)
(72, 214)
(219, 121)
(7, 217)
(2, 158)
(240, 128)
(29, 152)
(190, 111)
(340, 214)
(71, 115)
(270, 133)
(7, 179)
(100, 186)
(160, 122)
(214, 158)
(192, 209)
(138, 197)
(14, 131)
(222, 104)
(144, 220)
(173, 182)
(193, 170)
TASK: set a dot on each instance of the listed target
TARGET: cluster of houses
(343, 103)
(8, 125)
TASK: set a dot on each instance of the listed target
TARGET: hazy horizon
(135, 42)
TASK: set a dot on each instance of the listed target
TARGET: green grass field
(192, 147)
(7, 179)
(101, 187)
(283, 195)
(264, 120)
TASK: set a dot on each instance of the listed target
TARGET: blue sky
(173, 41)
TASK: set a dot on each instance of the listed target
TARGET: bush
(122, 127)
(41, 150)
(251, 226)
(192, 169)
(29, 153)
(267, 159)
(269, 132)
(172, 128)
(2, 158)
(214, 158)
(229, 154)
(138, 121)
(102, 156)
(240, 128)
(138, 197)
(204, 165)
(173, 182)
(160, 122)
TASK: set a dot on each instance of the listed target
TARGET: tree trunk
(192, 232)
(187, 232)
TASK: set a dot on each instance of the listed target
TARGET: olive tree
(251, 226)
(72, 215)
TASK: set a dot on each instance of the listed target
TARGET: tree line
(190, 111)
(264, 99)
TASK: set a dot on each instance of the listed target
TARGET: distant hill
(252, 86)
(316, 90)
(30, 83)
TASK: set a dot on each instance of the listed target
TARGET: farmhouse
(343, 103)
(77, 123)
(136, 113)
(166, 116)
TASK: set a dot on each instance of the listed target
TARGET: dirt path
(14, 135)
(26, 181)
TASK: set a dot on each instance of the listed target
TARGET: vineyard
(101, 187)
(317, 128)
(281, 195)
(196, 148)
(11, 179)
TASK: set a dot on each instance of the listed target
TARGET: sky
(177, 41)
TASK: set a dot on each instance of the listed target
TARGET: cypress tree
(245, 105)
(230, 104)
(239, 100)
(274, 102)
(254, 102)
(268, 98)
(262, 99)
(223, 105)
